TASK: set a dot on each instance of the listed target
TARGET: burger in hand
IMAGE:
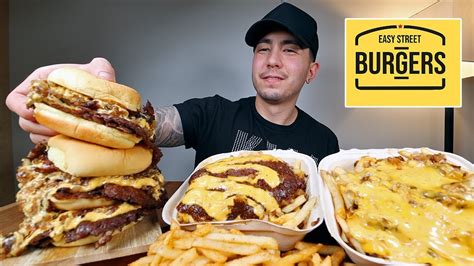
(75, 103)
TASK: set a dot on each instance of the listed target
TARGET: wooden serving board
(134, 240)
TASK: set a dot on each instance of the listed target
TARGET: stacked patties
(77, 104)
(99, 179)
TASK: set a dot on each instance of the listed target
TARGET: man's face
(280, 67)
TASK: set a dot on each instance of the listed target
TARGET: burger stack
(98, 176)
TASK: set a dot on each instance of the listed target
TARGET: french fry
(241, 249)
(202, 229)
(262, 241)
(339, 171)
(304, 245)
(200, 261)
(295, 204)
(161, 237)
(316, 259)
(301, 255)
(302, 214)
(257, 258)
(338, 257)
(344, 237)
(208, 246)
(213, 255)
(297, 165)
(185, 258)
(342, 223)
(168, 238)
(337, 254)
(356, 244)
(182, 234)
(349, 198)
(283, 218)
(165, 262)
(153, 247)
(156, 260)
(174, 225)
(329, 250)
(169, 253)
(326, 261)
(183, 243)
(339, 208)
(142, 261)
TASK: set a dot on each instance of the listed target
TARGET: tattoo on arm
(169, 132)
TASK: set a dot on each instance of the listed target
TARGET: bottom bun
(80, 204)
(81, 158)
(82, 129)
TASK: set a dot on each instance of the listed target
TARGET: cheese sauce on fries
(256, 186)
(416, 207)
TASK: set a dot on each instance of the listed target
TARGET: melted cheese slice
(104, 107)
(216, 203)
(405, 214)
(216, 194)
(96, 182)
(245, 159)
(265, 173)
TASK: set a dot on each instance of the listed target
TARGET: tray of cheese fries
(271, 193)
(400, 206)
(211, 245)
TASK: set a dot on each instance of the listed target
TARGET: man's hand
(16, 100)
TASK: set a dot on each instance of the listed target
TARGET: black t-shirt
(215, 125)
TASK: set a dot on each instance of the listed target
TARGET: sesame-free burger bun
(82, 129)
(80, 158)
(79, 105)
(83, 82)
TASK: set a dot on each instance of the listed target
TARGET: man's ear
(312, 72)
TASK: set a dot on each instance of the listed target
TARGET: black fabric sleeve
(332, 144)
(197, 117)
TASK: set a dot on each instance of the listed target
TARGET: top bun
(84, 159)
(83, 82)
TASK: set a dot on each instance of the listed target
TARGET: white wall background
(175, 50)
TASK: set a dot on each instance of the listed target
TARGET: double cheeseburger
(77, 104)
(74, 193)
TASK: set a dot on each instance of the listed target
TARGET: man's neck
(279, 113)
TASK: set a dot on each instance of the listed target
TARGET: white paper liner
(345, 159)
(286, 237)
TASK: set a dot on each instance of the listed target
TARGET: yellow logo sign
(403, 62)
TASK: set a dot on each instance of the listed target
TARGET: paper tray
(286, 237)
(345, 159)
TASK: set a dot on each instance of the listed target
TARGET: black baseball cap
(290, 18)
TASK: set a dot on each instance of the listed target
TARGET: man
(285, 44)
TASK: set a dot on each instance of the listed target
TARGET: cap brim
(263, 27)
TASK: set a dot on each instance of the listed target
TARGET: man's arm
(169, 132)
